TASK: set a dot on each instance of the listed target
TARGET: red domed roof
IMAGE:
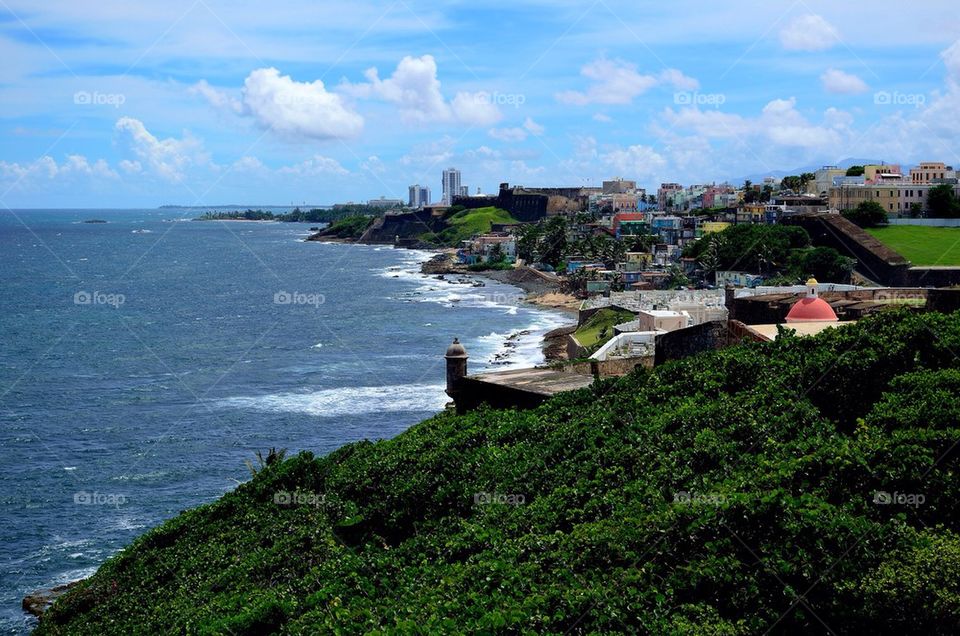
(811, 310)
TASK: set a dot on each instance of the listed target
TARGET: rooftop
(542, 381)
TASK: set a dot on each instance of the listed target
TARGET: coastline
(538, 290)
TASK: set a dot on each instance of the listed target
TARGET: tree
(916, 210)
(797, 183)
(790, 183)
(942, 202)
(752, 247)
(613, 252)
(867, 214)
(553, 244)
(823, 263)
(639, 242)
(677, 278)
(709, 261)
(528, 236)
(497, 254)
(855, 171)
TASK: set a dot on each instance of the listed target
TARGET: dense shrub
(761, 488)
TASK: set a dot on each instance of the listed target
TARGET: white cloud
(168, 158)
(618, 82)
(415, 89)
(249, 165)
(218, 99)
(508, 134)
(638, 161)
(130, 167)
(298, 109)
(315, 166)
(78, 164)
(678, 81)
(779, 122)
(475, 109)
(836, 81)
(374, 164)
(46, 168)
(291, 109)
(533, 127)
(429, 155)
(809, 32)
(602, 118)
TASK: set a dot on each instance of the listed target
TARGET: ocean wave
(345, 401)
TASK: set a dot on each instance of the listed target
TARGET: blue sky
(199, 102)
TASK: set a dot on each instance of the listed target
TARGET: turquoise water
(143, 360)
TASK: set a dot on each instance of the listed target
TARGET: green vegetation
(757, 248)
(855, 171)
(781, 252)
(598, 328)
(774, 487)
(239, 215)
(867, 214)
(464, 224)
(797, 183)
(487, 266)
(544, 241)
(823, 263)
(942, 202)
(315, 215)
(922, 245)
(351, 227)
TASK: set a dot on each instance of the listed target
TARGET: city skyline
(197, 104)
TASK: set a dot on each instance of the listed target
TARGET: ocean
(145, 359)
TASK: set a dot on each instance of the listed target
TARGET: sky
(202, 102)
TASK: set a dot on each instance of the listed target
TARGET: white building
(451, 185)
(419, 196)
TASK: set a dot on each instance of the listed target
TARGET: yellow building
(881, 173)
(711, 227)
(751, 213)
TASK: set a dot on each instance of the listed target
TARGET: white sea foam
(345, 401)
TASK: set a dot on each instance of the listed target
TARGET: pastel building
(931, 172)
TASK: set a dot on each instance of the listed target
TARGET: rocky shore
(539, 287)
(39, 602)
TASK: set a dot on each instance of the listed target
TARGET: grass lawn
(465, 224)
(599, 327)
(922, 245)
